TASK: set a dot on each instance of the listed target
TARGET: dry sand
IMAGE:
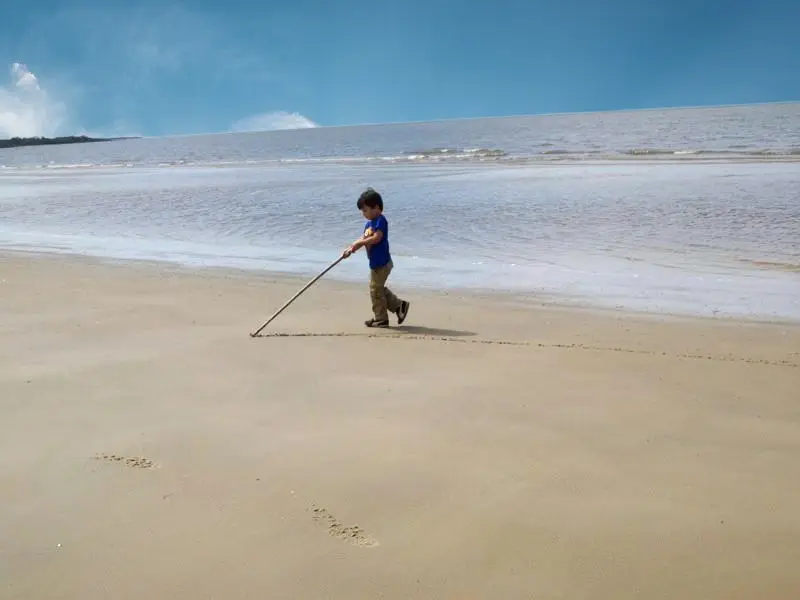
(149, 448)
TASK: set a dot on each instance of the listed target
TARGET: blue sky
(169, 67)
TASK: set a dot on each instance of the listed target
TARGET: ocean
(683, 211)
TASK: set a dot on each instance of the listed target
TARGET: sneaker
(376, 323)
(402, 312)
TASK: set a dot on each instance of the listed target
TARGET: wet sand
(150, 448)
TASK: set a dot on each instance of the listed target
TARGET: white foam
(609, 282)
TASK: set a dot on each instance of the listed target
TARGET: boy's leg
(392, 301)
(383, 299)
(377, 292)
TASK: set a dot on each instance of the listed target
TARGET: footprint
(353, 534)
(134, 462)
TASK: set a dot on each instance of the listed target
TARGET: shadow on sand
(430, 331)
(412, 331)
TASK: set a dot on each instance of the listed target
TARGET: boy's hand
(348, 251)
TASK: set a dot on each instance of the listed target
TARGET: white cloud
(272, 121)
(122, 76)
(26, 110)
(24, 79)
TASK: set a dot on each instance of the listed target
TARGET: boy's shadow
(432, 331)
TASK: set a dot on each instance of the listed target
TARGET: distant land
(17, 142)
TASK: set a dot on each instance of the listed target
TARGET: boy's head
(370, 204)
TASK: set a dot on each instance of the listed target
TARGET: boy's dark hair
(370, 198)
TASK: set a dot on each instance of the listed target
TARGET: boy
(376, 240)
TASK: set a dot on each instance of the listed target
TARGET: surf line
(531, 344)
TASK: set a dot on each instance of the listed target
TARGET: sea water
(691, 211)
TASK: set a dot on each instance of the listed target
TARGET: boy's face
(370, 213)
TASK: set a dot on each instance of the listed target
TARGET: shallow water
(707, 221)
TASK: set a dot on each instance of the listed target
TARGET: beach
(492, 446)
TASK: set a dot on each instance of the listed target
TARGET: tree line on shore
(16, 142)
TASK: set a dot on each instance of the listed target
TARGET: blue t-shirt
(378, 254)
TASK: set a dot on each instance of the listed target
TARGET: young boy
(376, 240)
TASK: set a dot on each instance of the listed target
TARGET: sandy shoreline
(152, 449)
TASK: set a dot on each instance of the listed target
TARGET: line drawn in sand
(530, 344)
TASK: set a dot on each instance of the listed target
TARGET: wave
(700, 151)
(456, 153)
(552, 152)
(445, 155)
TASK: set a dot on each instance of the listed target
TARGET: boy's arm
(366, 240)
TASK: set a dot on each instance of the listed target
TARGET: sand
(492, 448)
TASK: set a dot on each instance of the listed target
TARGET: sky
(173, 68)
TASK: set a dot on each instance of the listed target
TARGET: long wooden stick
(296, 296)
